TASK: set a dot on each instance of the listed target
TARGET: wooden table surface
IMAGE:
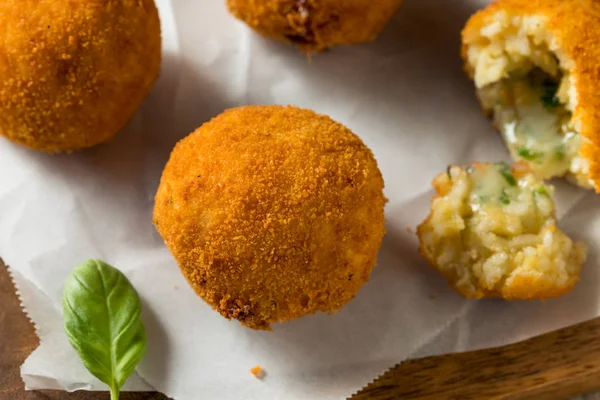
(18, 340)
(554, 366)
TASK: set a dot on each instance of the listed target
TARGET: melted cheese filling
(536, 126)
(508, 206)
(493, 233)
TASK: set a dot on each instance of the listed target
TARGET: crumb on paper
(175, 287)
(409, 229)
(431, 297)
(258, 372)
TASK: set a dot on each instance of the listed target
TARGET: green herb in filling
(542, 191)
(507, 174)
(528, 154)
(504, 199)
(560, 152)
(549, 98)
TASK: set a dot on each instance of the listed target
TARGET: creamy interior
(535, 124)
(516, 206)
(492, 232)
(524, 81)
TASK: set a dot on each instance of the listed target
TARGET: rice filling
(524, 85)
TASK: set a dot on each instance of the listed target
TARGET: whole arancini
(73, 73)
(272, 213)
(315, 25)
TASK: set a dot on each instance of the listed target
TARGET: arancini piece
(74, 72)
(492, 233)
(535, 66)
(272, 213)
(315, 25)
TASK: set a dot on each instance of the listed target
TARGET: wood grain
(555, 366)
(18, 340)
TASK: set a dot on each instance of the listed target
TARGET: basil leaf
(102, 321)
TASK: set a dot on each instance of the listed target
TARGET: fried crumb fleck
(409, 229)
(258, 372)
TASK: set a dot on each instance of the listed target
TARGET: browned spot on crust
(302, 32)
(315, 25)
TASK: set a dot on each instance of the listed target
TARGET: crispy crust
(315, 25)
(576, 26)
(74, 72)
(272, 213)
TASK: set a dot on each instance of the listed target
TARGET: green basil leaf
(102, 321)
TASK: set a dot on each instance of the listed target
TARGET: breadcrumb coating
(492, 233)
(74, 72)
(272, 213)
(315, 25)
(573, 27)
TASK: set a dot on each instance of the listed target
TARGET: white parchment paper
(405, 95)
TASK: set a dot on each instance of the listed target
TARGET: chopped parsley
(504, 199)
(560, 153)
(528, 154)
(504, 169)
(549, 98)
(542, 191)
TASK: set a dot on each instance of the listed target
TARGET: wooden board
(555, 366)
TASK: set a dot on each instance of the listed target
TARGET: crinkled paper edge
(429, 339)
(17, 281)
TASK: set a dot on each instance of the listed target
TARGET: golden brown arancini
(272, 213)
(74, 72)
(315, 25)
(558, 39)
(492, 232)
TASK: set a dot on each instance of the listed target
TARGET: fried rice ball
(492, 233)
(74, 72)
(535, 66)
(315, 25)
(272, 213)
